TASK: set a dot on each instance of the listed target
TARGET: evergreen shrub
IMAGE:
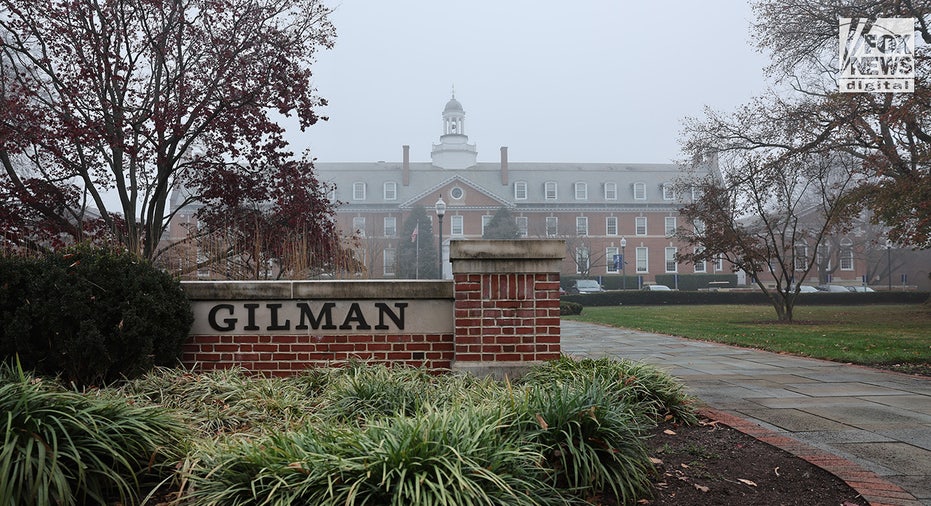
(91, 316)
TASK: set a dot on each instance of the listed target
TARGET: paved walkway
(871, 428)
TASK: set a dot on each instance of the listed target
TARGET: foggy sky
(586, 81)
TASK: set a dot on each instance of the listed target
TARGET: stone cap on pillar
(502, 256)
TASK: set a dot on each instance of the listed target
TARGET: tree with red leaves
(269, 224)
(138, 97)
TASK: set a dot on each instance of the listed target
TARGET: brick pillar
(506, 308)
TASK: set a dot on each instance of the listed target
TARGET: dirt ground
(713, 464)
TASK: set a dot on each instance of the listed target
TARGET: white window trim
(456, 225)
(610, 251)
(637, 226)
(581, 191)
(521, 226)
(667, 230)
(581, 225)
(667, 260)
(546, 192)
(555, 221)
(358, 190)
(608, 220)
(523, 187)
(391, 194)
(612, 193)
(643, 187)
(393, 229)
(645, 268)
(669, 192)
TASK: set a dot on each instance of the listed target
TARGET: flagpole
(417, 255)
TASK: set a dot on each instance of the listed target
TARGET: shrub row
(645, 298)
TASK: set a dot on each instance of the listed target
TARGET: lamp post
(889, 261)
(623, 263)
(440, 212)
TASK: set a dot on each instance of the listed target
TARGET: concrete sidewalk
(870, 428)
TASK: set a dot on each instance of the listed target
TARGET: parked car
(862, 288)
(587, 286)
(657, 288)
(834, 288)
(807, 289)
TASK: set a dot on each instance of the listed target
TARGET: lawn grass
(867, 335)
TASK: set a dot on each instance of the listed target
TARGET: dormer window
(640, 191)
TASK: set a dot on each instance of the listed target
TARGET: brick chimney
(504, 165)
(406, 166)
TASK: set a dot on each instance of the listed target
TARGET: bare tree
(762, 218)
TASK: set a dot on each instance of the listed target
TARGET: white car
(860, 289)
(835, 288)
(657, 288)
(587, 286)
(807, 289)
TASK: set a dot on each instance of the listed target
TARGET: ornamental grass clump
(643, 386)
(590, 441)
(440, 457)
(64, 448)
(226, 401)
(360, 392)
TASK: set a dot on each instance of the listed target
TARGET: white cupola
(454, 150)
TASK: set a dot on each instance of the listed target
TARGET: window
(609, 259)
(456, 193)
(671, 265)
(670, 226)
(552, 226)
(801, 257)
(641, 225)
(696, 194)
(699, 227)
(581, 191)
(582, 261)
(358, 191)
(846, 254)
(358, 225)
(520, 190)
(391, 226)
(611, 225)
(521, 226)
(610, 191)
(549, 190)
(389, 262)
(486, 219)
(669, 193)
(581, 225)
(719, 263)
(455, 225)
(823, 256)
(699, 265)
(332, 195)
(643, 264)
(640, 191)
(391, 190)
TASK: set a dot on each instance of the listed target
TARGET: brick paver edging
(868, 484)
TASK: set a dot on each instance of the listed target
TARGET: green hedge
(92, 316)
(645, 298)
(685, 281)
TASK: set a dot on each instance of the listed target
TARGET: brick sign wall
(498, 315)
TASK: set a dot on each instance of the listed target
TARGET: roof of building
(599, 182)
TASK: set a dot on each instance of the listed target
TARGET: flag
(414, 233)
